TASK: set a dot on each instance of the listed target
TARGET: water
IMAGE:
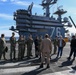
(8, 38)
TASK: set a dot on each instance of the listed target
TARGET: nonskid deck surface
(31, 66)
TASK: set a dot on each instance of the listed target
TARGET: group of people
(43, 47)
(23, 44)
(59, 43)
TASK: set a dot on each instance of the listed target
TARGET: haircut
(2, 35)
(46, 35)
(13, 33)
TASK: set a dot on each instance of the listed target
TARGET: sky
(8, 7)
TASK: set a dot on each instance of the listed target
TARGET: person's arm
(64, 43)
(41, 46)
(50, 46)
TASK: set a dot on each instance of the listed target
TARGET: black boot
(74, 67)
(68, 58)
(5, 59)
(41, 66)
(36, 55)
(73, 58)
(48, 66)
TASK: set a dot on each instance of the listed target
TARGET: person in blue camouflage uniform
(12, 47)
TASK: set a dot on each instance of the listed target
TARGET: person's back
(46, 48)
(1, 43)
(73, 43)
(46, 44)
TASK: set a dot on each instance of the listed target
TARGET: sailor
(21, 46)
(29, 46)
(36, 46)
(55, 41)
(46, 47)
(2, 46)
(40, 40)
(12, 47)
(24, 46)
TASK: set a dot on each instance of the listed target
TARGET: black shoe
(36, 55)
(31, 55)
(48, 66)
(74, 68)
(5, 59)
(39, 58)
(11, 60)
(68, 58)
(28, 57)
(14, 58)
(54, 53)
(57, 57)
(41, 66)
(60, 57)
(74, 58)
